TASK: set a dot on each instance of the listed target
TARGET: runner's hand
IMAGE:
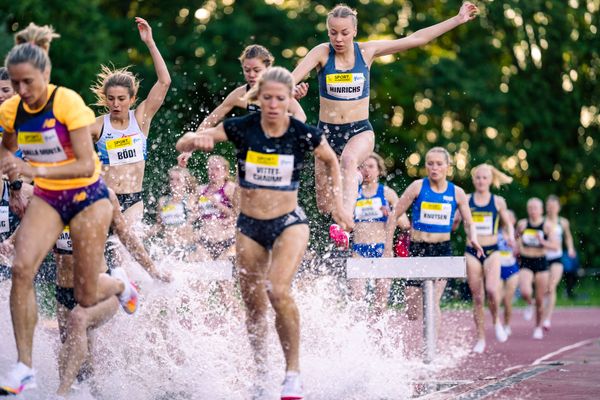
(145, 30)
(343, 219)
(477, 246)
(468, 11)
(182, 159)
(300, 90)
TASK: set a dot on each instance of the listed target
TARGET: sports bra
(352, 84)
(434, 212)
(369, 209)
(121, 147)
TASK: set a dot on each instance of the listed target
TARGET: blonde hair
(257, 51)
(536, 200)
(225, 161)
(41, 36)
(439, 149)
(111, 77)
(499, 178)
(190, 180)
(343, 11)
(273, 74)
(380, 163)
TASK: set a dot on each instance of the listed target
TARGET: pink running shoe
(340, 237)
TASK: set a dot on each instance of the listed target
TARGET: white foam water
(181, 344)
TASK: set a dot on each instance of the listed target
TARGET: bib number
(4, 220)
(345, 86)
(271, 170)
(64, 240)
(531, 238)
(44, 147)
(507, 259)
(435, 213)
(125, 150)
(369, 209)
(484, 223)
(173, 214)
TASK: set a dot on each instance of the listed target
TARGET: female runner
(51, 125)
(272, 230)
(483, 273)
(509, 272)
(343, 72)
(121, 135)
(370, 218)
(255, 59)
(434, 202)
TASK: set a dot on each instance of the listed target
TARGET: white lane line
(563, 349)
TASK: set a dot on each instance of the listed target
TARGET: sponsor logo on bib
(484, 222)
(273, 170)
(42, 147)
(125, 150)
(368, 209)
(435, 213)
(345, 85)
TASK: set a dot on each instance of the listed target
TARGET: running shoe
(479, 346)
(501, 334)
(538, 333)
(340, 237)
(508, 330)
(546, 324)
(18, 379)
(292, 387)
(129, 297)
(528, 312)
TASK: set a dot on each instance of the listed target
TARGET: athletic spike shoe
(538, 333)
(479, 346)
(129, 297)
(18, 379)
(546, 325)
(528, 312)
(340, 237)
(501, 334)
(292, 387)
(508, 330)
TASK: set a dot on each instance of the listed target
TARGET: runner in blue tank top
(344, 68)
(371, 217)
(255, 60)
(434, 202)
(509, 272)
(483, 273)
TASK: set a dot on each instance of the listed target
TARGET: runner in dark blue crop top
(343, 67)
(483, 273)
(270, 151)
(255, 59)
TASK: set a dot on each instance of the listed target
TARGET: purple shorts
(68, 203)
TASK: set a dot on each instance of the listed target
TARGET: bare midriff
(266, 203)
(124, 178)
(369, 232)
(343, 112)
(428, 237)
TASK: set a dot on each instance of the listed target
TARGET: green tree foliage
(517, 87)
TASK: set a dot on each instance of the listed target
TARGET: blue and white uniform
(508, 261)
(369, 210)
(485, 220)
(121, 147)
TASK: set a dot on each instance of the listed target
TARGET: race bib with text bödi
(125, 150)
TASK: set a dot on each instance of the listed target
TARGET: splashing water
(182, 344)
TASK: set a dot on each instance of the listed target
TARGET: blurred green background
(517, 87)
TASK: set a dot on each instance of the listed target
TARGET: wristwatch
(16, 185)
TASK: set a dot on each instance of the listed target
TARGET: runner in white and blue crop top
(272, 230)
(121, 135)
(483, 273)
(343, 67)
(255, 59)
(434, 201)
(370, 218)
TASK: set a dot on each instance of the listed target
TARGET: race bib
(4, 221)
(368, 209)
(173, 214)
(125, 150)
(531, 238)
(435, 213)
(44, 147)
(207, 208)
(64, 240)
(507, 258)
(345, 85)
(273, 170)
(484, 222)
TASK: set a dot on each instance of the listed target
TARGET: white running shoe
(18, 379)
(508, 330)
(479, 346)
(528, 313)
(501, 335)
(538, 333)
(546, 324)
(129, 297)
(292, 387)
